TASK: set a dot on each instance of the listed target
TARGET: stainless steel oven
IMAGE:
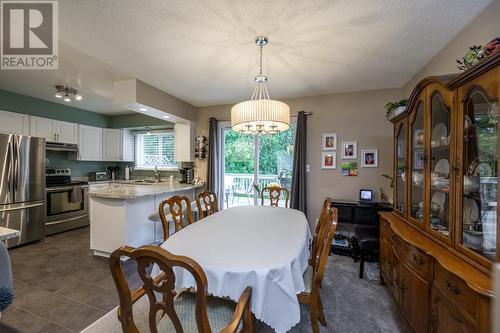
(65, 210)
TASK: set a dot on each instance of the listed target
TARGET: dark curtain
(213, 163)
(298, 195)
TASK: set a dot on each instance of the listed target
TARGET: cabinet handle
(416, 260)
(452, 288)
(55, 137)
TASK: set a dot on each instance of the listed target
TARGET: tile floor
(60, 287)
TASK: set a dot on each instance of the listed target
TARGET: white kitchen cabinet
(117, 145)
(89, 143)
(184, 141)
(112, 144)
(128, 146)
(43, 128)
(14, 123)
(54, 130)
(67, 132)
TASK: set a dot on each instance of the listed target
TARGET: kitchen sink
(144, 182)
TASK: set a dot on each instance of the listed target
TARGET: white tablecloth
(262, 247)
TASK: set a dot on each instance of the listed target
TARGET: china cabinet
(439, 244)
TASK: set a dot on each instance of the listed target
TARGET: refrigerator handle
(16, 164)
(9, 163)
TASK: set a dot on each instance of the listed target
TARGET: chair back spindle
(180, 210)
(206, 202)
(162, 285)
(275, 193)
(320, 228)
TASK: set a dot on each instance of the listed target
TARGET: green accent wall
(136, 120)
(13, 102)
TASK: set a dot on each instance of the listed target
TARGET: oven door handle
(69, 219)
(12, 207)
(64, 188)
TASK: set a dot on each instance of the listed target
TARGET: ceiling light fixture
(260, 114)
(166, 117)
(67, 93)
(143, 109)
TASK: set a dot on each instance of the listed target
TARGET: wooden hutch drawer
(415, 257)
(385, 229)
(456, 289)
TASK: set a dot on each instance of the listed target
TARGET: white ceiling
(203, 51)
(93, 79)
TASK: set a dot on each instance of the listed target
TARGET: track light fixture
(67, 93)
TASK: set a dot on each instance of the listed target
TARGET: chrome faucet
(157, 174)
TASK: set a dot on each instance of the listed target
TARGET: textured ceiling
(203, 51)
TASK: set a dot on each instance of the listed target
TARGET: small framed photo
(369, 158)
(349, 150)
(329, 160)
(329, 141)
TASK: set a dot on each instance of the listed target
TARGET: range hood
(58, 146)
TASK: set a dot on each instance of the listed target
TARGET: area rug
(372, 271)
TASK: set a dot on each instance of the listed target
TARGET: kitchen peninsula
(119, 212)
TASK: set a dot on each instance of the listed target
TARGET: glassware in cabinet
(440, 157)
(400, 171)
(479, 172)
(417, 167)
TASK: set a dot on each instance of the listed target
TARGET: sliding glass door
(253, 162)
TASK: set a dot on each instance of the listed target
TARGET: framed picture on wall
(329, 141)
(369, 158)
(329, 160)
(349, 150)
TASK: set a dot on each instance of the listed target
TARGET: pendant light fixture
(260, 114)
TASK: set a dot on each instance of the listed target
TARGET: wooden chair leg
(361, 265)
(314, 318)
(321, 313)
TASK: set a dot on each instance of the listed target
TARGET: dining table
(266, 248)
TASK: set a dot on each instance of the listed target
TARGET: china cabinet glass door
(400, 166)
(479, 173)
(417, 181)
(439, 157)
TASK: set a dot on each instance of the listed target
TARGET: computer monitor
(366, 195)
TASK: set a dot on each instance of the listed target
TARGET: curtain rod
(291, 115)
(296, 114)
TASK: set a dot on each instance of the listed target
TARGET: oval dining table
(266, 248)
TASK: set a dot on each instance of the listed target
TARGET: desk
(353, 215)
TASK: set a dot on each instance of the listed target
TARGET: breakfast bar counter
(135, 189)
(119, 212)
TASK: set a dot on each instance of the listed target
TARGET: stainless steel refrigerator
(22, 186)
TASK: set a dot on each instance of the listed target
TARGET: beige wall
(354, 116)
(481, 30)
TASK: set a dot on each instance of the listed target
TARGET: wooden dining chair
(207, 205)
(275, 193)
(180, 210)
(320, 226)
(158, 307)
(313, 276)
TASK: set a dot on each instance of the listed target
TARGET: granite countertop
(128, 190)
(7, 233)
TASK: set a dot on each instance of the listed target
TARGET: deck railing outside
(240, 190)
